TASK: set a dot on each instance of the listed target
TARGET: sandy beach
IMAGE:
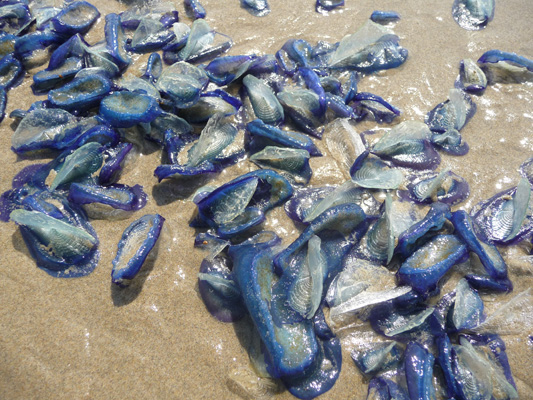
(85, 339)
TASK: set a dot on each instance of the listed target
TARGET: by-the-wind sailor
(150, 35)
(196, 8)
(323, 6)
(264, 102)
(303, 107)
(209, 104)
(137, 242)
(224, 70)
(488, 254)
(154, 68)
(43, 128)
(473, 14)
(263, 135)
(378, 358)
(423, 270)
(468, 308)
(370, 104)
(419, 233)
(505, 67)
(343, 142)
(76, 17)
(445, 187)
(259, 8)
(381, 388)
(81, 163)
(59, 246)
(372, 48)
(49, 79)
(293, 163)
(183, 83)
(220, 293)
(454, 113)
(372, 173)
(108, 202)
(384, 17)
(505, 218)
(378, 242)
(126, 109)
(10, 71)
(116, 40)
(407, 145)
(201, 44)
(471, 78)
(215, 137)
(419, 371)
(81, 94)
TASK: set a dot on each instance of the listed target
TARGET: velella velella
(138, 241)
(64, 245)
(473, 14)
(259, 8)
(126, 109)
(505, 67)
(264, 102)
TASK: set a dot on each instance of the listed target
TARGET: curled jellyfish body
(137, 242)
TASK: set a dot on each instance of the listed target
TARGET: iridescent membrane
(137, 242)
(381, 388)
(115, 161)
(468, 307)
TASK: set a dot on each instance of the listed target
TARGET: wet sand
(83, 339)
